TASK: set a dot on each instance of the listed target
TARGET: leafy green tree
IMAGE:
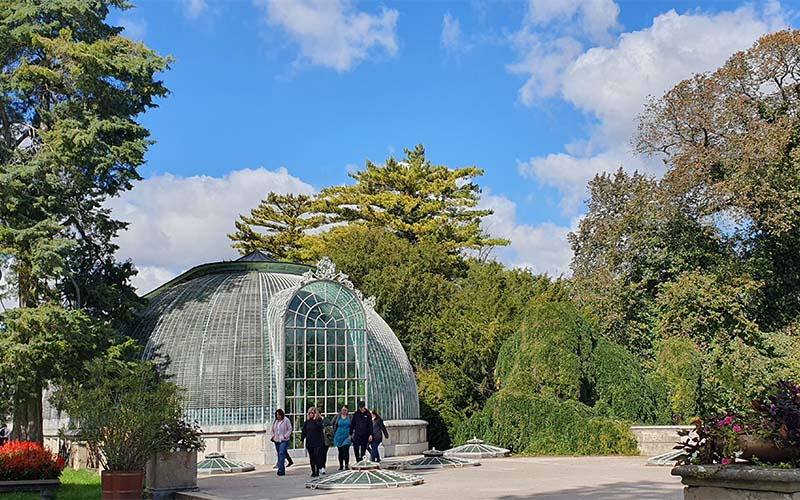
(415, 200)
(634, 237)
(71, 90)
(730, 141)
(42, 345)
(285, 219)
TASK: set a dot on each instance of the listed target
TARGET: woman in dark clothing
(378, 432)
(313, 438)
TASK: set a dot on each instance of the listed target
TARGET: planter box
(46, 487)
(738, 482)
(169, 472)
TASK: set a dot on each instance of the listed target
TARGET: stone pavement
(536, 478)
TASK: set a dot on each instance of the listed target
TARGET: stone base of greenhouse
(253, 445)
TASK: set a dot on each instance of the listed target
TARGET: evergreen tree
(287, 218)
(415, 200)
(71, 89)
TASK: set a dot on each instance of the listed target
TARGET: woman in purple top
(281, 434)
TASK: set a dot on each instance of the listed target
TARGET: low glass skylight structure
(475, 448)
(432, 459)
(246, 337)
(364, 475)
(216, 463)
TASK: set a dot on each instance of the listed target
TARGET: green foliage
(75, 485)
(413, 199)
(622, 388)
(536, 424)
(410, 281)
(71, 92)
(549, 353)
(707, 309)
(679, 364)
(286, 219)
(123, 409)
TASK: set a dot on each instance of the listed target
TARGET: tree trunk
(28, 417)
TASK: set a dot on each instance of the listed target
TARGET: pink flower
(737, 428)
(726, 461)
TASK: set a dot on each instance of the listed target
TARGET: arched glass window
(325, 352)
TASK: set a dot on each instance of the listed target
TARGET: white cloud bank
(179, 222)
(333, 33)
(452, 38)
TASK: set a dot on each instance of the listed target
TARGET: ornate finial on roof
(326, 270)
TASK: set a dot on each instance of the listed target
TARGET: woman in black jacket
(313, 438)
(378, 431)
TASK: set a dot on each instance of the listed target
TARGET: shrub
(24, 460)
(622, 388)
(541, 425)
(549, 354)
(679, 363)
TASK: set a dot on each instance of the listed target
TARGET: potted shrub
(174, 468)
(121, 411)
(27, 466)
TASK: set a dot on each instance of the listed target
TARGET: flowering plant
(712, 442)
(779, 414)
(21, 460)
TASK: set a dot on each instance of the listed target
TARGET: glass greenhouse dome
(246, 337)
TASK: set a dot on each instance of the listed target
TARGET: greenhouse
(246, 337)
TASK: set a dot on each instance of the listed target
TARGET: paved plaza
(540, 478)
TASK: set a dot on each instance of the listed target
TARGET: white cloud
(332, 33)
(543, 247)
(180, 222)
(611, 84)
(452, 39)
(193, 9)
(593, 18)
(553, 33)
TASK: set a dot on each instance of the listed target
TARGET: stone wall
(657, 439)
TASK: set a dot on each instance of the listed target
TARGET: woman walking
(378, 432)
(341, 437)
(312, 436)
(281, 433)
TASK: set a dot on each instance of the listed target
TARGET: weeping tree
(71, 90)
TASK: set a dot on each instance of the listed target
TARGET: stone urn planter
(738, 482)
(122, 485)
(766, 450)
(46, 487)
(171, 471)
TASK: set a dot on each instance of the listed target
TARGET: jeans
(374, 454)
(360, 449)
(282, 448)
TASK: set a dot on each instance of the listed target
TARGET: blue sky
(290, 95)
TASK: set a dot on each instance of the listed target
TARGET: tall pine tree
(71, 90)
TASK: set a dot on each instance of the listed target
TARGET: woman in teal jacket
(341, 437)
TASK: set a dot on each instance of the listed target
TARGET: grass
(75, 485)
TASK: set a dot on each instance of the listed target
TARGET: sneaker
(322, 470)
(281, 473)
(341, 468)
(275, 466)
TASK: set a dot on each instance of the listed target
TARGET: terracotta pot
(766, 450)
(122, 485)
